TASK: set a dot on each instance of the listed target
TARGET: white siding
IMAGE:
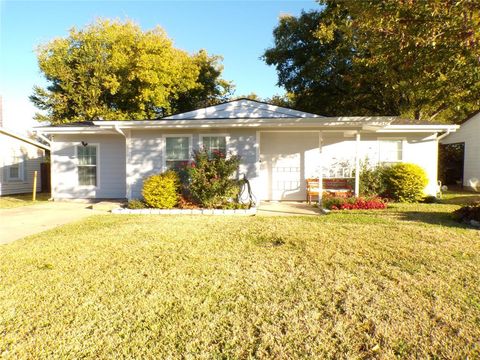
(416, 148)
(125, 163)
(469, 133)
(288, 151)
(146, 155)
(33, 158)
(111, 173)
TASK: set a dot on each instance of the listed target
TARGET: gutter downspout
(120, 131)
(444, 135)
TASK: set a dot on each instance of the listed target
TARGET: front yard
(397, 283)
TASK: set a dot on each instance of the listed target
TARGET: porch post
(357, 164)
(320, 174)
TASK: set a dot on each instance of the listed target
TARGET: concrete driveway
(19, 222)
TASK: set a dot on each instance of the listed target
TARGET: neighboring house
(20, 157)
(279, 148)
(469, 136)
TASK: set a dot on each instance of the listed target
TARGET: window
(177, 151)
(214, 143)
(87, 165)
(15, 169)
(390, 151)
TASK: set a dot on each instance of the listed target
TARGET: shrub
(210, 181)
(162, 190)
(136, 204)
(404, 182)
(371, 179)
(335, 202)
(469, 214)
(352, 203)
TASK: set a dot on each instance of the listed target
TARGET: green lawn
(381, 284)
(12, 201)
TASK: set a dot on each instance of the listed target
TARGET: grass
(12, 201)
(460, 197)
(400, 283)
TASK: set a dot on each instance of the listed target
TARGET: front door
(287, 159)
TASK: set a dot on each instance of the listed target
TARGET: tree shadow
(442, 218)
(462, 200)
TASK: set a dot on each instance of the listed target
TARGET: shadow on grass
(461, 200)
(433, 218)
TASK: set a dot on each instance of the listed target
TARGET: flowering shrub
(210, 182)
(352, 203)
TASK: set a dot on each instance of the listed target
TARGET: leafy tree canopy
(419, 59)
(116, 71)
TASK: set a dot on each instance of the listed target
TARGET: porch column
(320, 174)
(357, 164)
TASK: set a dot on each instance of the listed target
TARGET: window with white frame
(177, 151)
(87, 157)
(390, 150)
(15, 168)
(215, 143)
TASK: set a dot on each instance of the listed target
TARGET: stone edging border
(244, 212)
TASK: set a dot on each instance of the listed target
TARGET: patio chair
(313, 187)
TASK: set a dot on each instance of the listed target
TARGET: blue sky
(238, 30)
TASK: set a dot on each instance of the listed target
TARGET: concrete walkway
(16, 223)
(287, 208)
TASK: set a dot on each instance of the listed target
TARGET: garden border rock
(242, 212)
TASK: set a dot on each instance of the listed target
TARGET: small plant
(136, 204)
(161, 191)
(405, 182)
(210, 179)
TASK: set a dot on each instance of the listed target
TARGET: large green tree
(419, 59)
(210, 88)
(116, 71)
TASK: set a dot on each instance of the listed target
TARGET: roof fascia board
(75, 130)
(25, 139)
(320, 120)
(419, 128)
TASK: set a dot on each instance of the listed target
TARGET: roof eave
(25, 139)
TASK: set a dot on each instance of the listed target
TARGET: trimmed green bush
(161, 191)
(405, 182)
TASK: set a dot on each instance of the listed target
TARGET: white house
(469, 136)
(20, 157)
(279, 148)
